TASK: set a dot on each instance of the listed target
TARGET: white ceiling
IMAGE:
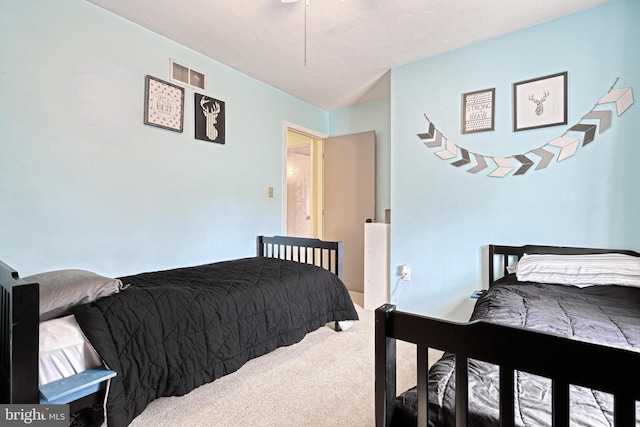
(350, 44)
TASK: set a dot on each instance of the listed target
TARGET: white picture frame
(163, 104)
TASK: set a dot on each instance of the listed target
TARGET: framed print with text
(163, 104)
(478, 110)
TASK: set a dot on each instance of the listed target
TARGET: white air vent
(181, 73)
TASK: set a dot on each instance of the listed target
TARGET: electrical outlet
(405, 273)
(271, 192)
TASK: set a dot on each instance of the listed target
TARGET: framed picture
(540, 102)
(163, 104)
(209, 118)
(478, 110)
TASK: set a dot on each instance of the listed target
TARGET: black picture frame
(163, 104)
(540, 102)
(210, 118)
(478, 111)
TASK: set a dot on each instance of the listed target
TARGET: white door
(299, 192)
(303, 176)
(349, 198)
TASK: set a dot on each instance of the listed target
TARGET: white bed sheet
(64, 350)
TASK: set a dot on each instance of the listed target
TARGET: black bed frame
(512, 348)
(327, 255)
(19, 321)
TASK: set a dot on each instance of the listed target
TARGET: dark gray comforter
(172, 331)
(605, 314)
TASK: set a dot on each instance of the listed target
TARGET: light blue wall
(85, 184)
(444, 217)
(376, 116)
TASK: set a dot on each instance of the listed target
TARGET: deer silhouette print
(538, 102)
(211, 113)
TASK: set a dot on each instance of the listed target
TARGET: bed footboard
(19, 338)
(325, 254)
(536, 352)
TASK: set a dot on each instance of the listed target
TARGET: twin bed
(555, 341)
(165, 333)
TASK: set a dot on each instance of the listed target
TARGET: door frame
(289, 126)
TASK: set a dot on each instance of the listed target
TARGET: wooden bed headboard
(327, 255)
(18, 358)
(501, 256)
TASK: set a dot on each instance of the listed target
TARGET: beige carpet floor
(327, 379)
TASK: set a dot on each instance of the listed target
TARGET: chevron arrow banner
(545, 155)
(429, 133)
(589, 132)
(504, 167)
(604, 116)
(448, 153)
(568, 146)
(526, 164)
(437, 142)
(464, 160)
(622, 97)
(481, 164)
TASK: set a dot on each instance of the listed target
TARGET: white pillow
(580, 270)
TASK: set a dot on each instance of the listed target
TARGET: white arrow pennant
(568, 146)
(622, 97)
(449, 152)
(504, 167)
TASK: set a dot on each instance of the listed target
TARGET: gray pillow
(61, 290)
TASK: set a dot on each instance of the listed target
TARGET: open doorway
(329, 193)
(303, 186)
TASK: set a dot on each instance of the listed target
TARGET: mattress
(172, 331)
(63, 350)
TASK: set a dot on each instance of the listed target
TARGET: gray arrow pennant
(436, 142)
(526, 164)
(428, 134)
(603, 115)
(547, 156)
(589, 132)
(482, 164)
(465, 158)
